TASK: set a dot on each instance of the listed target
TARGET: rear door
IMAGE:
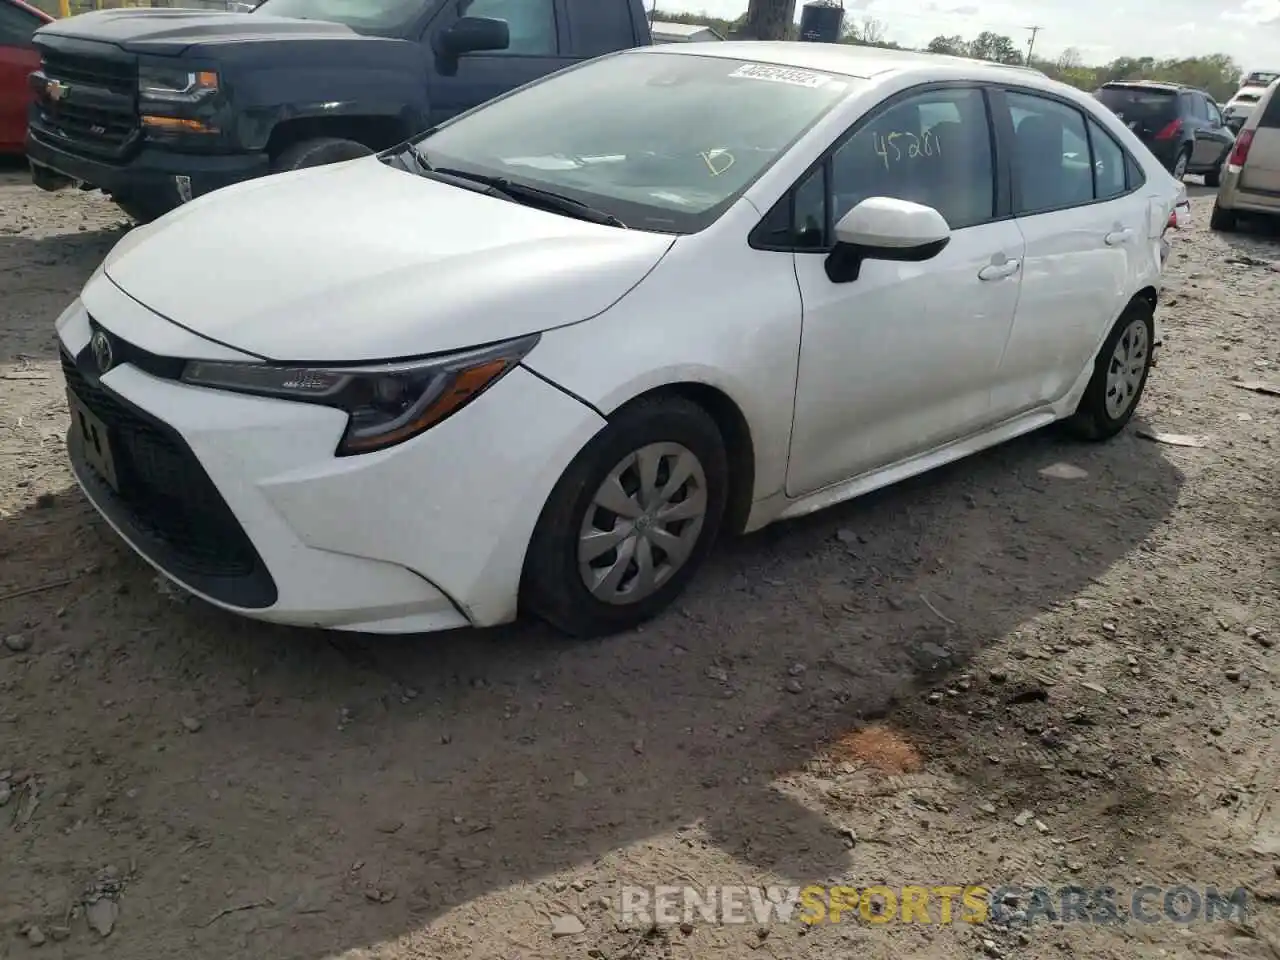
(18, 59)
(1085, 224)
(1261, 173)
(539, 45)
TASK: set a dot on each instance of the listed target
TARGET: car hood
(361, 261)
(171, 32)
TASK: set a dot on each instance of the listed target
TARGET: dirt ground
(984, 676)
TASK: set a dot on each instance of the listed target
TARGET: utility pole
(1031, 44)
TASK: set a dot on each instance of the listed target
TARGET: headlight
(386, 405)
(168, 85)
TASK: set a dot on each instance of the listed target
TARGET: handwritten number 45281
(899, 145)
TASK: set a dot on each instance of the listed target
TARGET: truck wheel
(317, 153)
(139, 211)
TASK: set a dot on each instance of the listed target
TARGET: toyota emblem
(101, 346)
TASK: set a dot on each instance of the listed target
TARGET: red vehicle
(18, 58)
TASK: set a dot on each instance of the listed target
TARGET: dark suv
(1182, 126)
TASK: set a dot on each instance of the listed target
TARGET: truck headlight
(158, 84)
(385, 405)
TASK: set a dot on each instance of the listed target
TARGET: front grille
(165, 501)
(118, 76)
(98, 113)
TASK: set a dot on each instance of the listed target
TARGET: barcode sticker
(792, 75)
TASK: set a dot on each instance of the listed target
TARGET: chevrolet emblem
(56, 90)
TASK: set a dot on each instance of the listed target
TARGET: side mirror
(885, 228)
(473, 35)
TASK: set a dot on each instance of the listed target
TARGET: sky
(1248, 30)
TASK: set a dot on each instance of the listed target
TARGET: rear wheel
(1119, 376)
(317, 153)
(1180, 165)
(630, 522)
(1224, 221)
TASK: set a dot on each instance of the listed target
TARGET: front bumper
(150, 177)
(427, 535)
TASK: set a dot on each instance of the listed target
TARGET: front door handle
(998, 271)
(1117, 237)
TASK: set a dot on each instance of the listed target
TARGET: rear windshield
(1140, 104)
(1260, 79)
(1247, 98)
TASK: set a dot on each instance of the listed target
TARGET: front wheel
(1119, 376)
(1180, 165)
(1213, 178)
(630, 521)
(317, 153)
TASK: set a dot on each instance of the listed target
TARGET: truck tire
(317, 153)
(140, 211)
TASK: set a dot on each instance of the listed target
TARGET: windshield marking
(792, 75)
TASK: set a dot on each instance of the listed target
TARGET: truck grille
(166, 503)
(97, 113)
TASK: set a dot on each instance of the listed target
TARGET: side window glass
(933, 148)
(809, 212)
(1108, 164)
(532, 24)
(1053, 169)
(1136, 177)
(598, 28)
(1215, 117)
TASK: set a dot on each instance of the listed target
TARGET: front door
(539, 46)
(901, 360)
(1084, 226)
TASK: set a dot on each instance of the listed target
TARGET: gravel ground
(983, 676)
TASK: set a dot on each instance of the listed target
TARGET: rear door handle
(1117, 237)
(998, 271)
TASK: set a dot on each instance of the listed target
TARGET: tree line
(1217, 74)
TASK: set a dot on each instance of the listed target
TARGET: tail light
(1172, 130)
(1240, 153)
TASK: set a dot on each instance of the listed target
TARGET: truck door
(539, 45)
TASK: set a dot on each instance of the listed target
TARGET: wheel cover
(643, 523)
(1180, 165)
(1126, 369)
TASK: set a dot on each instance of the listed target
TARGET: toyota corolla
(538, 358)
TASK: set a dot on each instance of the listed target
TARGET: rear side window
(1051, 154)
(597, 27)
(1271, 113)
(1108, 164)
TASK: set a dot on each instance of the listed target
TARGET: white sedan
(539, 358)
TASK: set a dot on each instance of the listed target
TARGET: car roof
(841, 58)
(1162, 85)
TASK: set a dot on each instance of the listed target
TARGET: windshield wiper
(521, 193)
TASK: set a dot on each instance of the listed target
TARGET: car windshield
(358, 14)
(662, 141)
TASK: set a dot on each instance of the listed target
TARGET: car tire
(1180, 164)
(1100, 415)
(139, 211)
(317, 153)
(1222, 220)
(1213, 178)
(670, 433)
